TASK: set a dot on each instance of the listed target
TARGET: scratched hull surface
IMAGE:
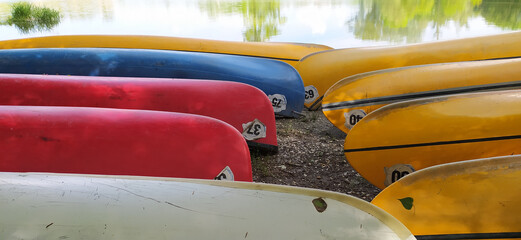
(120, 142)
(321, 70)
(404, 137)
(352, 98)
(242, 106)
(43, 207)
(278, 80)
(290, 53)
(478, 199)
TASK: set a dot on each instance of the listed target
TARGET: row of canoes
(384, 146)
(320, 67)
(98, 111)
(468, 199)
(425, 134)
(88, 104)
(476, 199)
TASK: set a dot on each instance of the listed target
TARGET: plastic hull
(323, 69)
(120, 142)
(404, 137)
(479, 199)
(352, 98)
(290, 53)
(278, 80)
(37, 206)
(244, 107)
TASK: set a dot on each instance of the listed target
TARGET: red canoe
(120, 142)
(243, 106)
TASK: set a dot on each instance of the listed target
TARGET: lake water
(336, 23)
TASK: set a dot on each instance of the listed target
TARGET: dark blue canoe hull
(278, 80)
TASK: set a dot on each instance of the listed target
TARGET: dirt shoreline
(311, 155)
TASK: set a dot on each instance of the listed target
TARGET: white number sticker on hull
(353, 117)
(278, 101)
(395, 172)
(226, 175)
(311, 94)
(254, 130)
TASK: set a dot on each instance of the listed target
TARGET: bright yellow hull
(322, 70)
(479, 198)
(352, 98)
(403, 137)
(287, 52)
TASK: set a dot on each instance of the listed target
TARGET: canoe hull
(478, 198)
(234, 103)
(290, 53)
(120, 142)
(322, 70)
(363, 93)
(154, 208)
(278, 80)
(404, 137)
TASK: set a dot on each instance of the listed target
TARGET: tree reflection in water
(261, 17)
(30, 18)
(405, 20)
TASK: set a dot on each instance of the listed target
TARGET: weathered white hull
(52, 206)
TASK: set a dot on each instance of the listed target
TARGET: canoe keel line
(425, 94)
(434, 143)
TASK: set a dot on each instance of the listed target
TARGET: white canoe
(60, 206)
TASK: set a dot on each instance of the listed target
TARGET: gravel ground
(311, 155)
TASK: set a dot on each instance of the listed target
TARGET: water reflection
(73, 9)
(399, 21)
(81, 9)
(504, 14)
(336, 23)
(261, 17)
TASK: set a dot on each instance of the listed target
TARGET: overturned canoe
(403, 137)
(278, 80)
(120, 142)
(40, 206)
(290, 53)
(477, 199)
(350, 99)
(243, 106)
(321, 70)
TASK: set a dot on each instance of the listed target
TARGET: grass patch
(28, 17)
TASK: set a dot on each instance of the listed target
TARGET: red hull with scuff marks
(232, 102)
(119, 142)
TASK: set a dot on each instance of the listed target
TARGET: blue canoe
(278, 80)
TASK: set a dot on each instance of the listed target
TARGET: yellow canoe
(352, 98)
(321, 70)
(478, 199)
(72, 206)
(290, 53)
(403, 137)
